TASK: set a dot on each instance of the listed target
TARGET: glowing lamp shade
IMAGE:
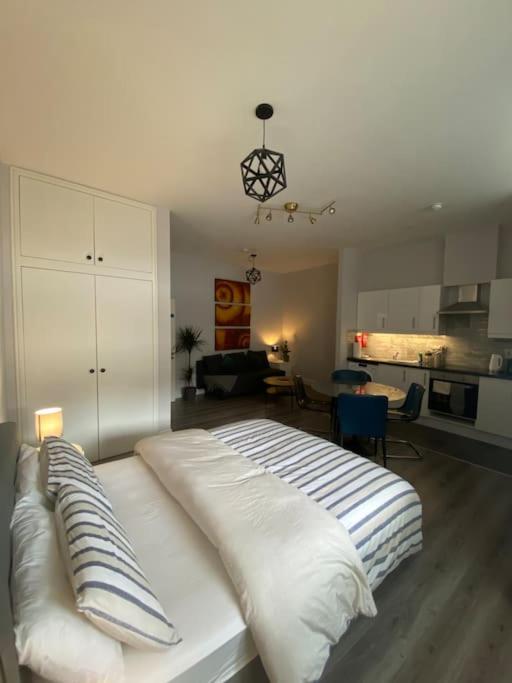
(48, 423)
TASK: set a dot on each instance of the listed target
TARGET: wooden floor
(445, 615)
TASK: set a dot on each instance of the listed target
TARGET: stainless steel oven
(454, 395)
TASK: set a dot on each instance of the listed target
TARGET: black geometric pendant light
(253, 275)
(263, 173)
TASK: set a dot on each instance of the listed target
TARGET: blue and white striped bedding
(379, 509)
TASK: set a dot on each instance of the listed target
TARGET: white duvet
(298, 575)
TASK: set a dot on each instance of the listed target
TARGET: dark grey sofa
(234, 374)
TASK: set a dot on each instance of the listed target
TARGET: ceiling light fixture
(253, 275)
(437, 206)
(263, 172)
(292, 208)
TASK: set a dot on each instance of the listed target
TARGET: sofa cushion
(234, 363)
(257, 360)
(212, 365)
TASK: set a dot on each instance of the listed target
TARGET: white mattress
(187, 576)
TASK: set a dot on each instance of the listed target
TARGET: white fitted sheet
(188, 577)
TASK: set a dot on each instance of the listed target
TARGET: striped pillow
(109, 585)
(62, 462)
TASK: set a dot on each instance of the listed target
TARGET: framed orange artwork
(232, 315)
(232, 292)
(229, 339)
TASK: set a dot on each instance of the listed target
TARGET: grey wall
(193, 276)
(309, 320)
(402, 265)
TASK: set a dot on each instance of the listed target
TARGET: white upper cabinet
(372, 311)
(62, 222)
(403, 307)
(428, 314)
(500, 309)
(56, 222)
(123, 235)
(407, 310)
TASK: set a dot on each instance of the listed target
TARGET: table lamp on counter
(49, 422)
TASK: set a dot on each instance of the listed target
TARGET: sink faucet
(395, 355)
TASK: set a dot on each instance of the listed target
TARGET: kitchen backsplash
(465, 337)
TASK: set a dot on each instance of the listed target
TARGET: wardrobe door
(124, 315)
(59, 345)
(55, 222)
(123, 235)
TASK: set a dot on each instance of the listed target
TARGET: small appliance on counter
(496, 362)
(435, 358)
(360, 343)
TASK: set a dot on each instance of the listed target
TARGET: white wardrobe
(84, 267)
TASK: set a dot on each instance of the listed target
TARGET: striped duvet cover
(381, 511)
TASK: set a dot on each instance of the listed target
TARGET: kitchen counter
(446, 368)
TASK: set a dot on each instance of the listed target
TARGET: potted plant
(285, 351)
(188, 339)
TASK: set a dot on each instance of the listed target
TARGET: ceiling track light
(292, 208)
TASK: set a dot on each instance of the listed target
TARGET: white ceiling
(385, 107)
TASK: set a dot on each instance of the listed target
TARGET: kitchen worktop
(446, 368)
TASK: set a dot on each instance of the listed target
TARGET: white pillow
(28, 479)
(110, 587)
(52, 637)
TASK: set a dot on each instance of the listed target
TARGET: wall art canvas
(232, 292)
(232, 315)
(231, 339)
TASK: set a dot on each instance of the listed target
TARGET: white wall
(193, 277)
(309, 320)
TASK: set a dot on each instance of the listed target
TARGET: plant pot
(188, 393)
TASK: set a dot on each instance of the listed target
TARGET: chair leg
(384, 452)
(418, 455)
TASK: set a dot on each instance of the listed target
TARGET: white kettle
(496, 362)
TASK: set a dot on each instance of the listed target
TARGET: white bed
(381, 511)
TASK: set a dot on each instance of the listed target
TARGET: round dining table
(395, 395)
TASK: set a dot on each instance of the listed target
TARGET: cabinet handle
(100, 258)
(413, 322)
(92, 371)
(434, 323)
(382, 322)
(89, 257)
(102, 370)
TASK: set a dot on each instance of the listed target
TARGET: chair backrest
(362, 415)
(413, 400)
(350, 377)
(300, 391)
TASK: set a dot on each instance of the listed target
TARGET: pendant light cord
(263, 133)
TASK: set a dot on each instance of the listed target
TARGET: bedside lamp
(49, 422)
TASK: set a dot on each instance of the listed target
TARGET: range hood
(468, 302)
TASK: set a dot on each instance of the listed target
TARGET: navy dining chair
(362, 415)
(409, 411)
(350, 377)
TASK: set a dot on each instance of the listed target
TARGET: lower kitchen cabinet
(495, 406)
